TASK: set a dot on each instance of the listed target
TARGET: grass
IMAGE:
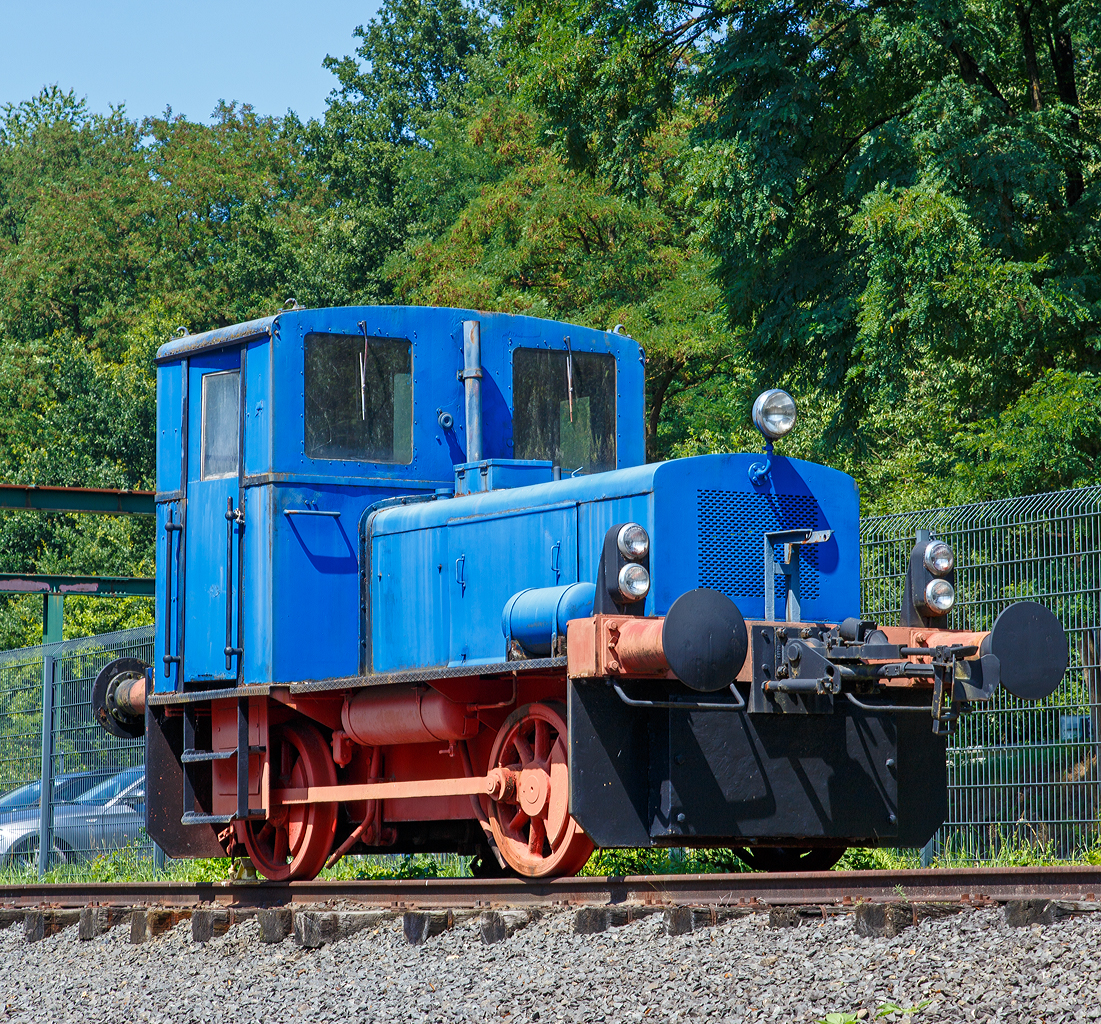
(661, 862)
(129, 864)
(887, 1010)
(1003, 853)
(134, 864)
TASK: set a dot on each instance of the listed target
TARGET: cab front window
(564, 408)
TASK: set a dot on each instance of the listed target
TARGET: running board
(195, 756)
(195, 818)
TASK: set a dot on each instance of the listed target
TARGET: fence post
(928, 852)
(46, 790)
(53, 612)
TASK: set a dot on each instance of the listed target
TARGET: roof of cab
(220, 337)
(223, 337)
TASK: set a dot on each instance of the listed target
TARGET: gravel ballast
(971, 965)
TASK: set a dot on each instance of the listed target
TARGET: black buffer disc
(125, 727)
(1029, 642)
(704, 639)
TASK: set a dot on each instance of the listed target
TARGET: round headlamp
(634, 582)
(774, 413)
(939, 558)
(940, 595)
(633, 542)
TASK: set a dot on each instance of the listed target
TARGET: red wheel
(533, 828)
(295, 840)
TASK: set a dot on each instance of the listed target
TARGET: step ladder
(192, 755)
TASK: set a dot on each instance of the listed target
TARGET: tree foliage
(886, 190)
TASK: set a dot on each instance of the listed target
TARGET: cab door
(215, 520)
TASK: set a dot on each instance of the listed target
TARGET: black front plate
(779, 775)
(686, 778)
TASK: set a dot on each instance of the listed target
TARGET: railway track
(977, 886)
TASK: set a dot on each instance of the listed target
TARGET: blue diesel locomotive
(418, 590)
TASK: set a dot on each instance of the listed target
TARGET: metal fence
(47, 733)
(1018, 774)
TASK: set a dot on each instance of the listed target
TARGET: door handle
(460, 572)
(233, 516)
(556, 558)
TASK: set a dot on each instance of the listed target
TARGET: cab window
(359, 398)
(220, 424)
(563, 408)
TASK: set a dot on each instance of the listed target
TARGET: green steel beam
(78, 499)
(76, 586)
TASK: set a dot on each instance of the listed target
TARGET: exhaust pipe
(472, 382)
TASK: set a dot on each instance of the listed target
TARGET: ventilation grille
(732, 525)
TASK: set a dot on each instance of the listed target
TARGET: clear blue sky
(149, 53)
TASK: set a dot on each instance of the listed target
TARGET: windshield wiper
(569, 374)
(363, 372)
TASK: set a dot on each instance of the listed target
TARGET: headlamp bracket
(759, 471)
(790, 541)
(918, 576)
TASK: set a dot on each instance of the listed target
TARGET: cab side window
(564, 408)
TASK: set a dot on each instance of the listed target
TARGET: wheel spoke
(279, 853)
(542, 742)
(537, 835)
(519, 820)
(523, 749)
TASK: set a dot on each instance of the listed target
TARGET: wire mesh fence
(96, 782)
(1019, 775)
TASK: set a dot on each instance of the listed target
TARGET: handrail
(232, 516)
(681, 705)
(170, 527)
(888, 707)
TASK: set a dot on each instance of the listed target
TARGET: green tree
(112, 233)
(892, 194)
(543, 239)
(391, 150)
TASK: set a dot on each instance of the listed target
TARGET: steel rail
(825, 888)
